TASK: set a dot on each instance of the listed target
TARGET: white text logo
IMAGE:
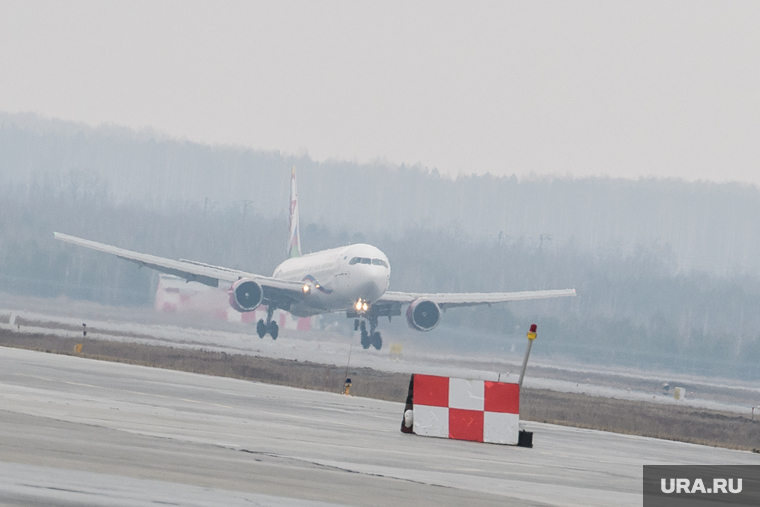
(686, 486)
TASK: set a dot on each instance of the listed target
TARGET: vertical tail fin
(294, 246)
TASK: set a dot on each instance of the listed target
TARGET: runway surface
(333, 349)
(75, 431)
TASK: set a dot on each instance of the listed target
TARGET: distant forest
(666, 271)
(707, 226)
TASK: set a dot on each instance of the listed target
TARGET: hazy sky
(617, 88)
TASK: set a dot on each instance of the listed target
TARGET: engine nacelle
(423, 315)
(245, 295)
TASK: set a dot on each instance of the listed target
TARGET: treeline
(701, 225)
(632, 309)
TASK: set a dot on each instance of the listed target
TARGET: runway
(83, 432)
(150, 328)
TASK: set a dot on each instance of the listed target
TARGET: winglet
(294, 244)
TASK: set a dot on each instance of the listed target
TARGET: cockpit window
(365, 260)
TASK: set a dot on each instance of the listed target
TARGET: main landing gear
(270, 326)
(373, 337)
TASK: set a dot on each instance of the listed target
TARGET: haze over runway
(533, 89)
(333, 349)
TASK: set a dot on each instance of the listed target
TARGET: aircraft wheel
(274, 330)
(377, 340)
(365, 339)
(356, 324)
(261, 328)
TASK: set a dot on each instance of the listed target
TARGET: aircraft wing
(450, 300)
(275, 290)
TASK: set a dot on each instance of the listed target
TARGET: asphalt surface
(75, 431)
(149, 328)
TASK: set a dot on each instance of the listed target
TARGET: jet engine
(245, 295)
(423, 315)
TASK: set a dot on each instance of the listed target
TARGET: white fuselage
(337, 278)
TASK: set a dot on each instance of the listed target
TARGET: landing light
(306, 289)
(365, 306)
(359, 305)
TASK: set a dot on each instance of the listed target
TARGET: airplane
(353, 279)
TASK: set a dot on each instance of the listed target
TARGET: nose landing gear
(373, 337)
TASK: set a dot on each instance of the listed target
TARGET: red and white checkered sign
(463, 409)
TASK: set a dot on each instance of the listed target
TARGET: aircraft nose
(374, 286)
(380, 284)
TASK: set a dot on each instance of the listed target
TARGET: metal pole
(349, 361)
(347, 381)
(531, 337)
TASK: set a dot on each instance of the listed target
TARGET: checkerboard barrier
(462, 409)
